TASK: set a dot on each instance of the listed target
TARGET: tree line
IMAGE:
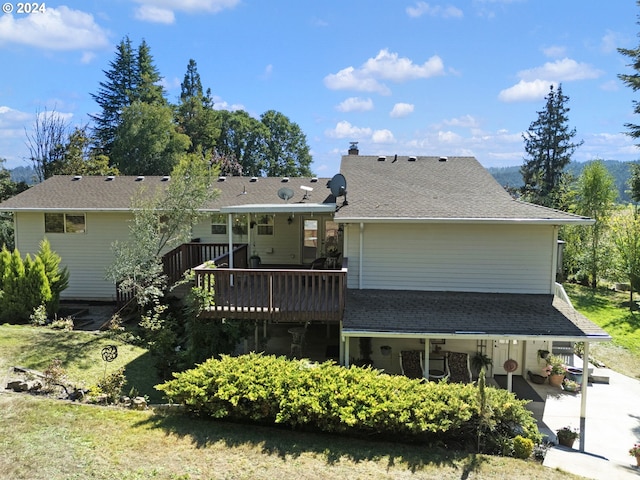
(137, 131)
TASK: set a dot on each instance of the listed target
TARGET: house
(418, 253)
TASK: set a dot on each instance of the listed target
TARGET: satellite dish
(338, 185)
(285, 193)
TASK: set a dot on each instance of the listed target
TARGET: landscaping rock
(139, 403)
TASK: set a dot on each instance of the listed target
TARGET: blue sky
(400, 77)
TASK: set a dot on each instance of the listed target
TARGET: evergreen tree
(632, 80)
(57, 278)
(132, 76)
(195, 116)
(243, 138)
(549, 146)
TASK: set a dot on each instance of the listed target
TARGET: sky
(398, 77)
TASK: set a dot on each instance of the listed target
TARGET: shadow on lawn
(286, 443)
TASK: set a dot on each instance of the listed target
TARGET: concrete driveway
(612, 427)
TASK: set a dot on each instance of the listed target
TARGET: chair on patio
(412, 364)
(319, 264)
(458, 369)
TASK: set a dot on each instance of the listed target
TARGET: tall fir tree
(195, 116)
(132, 76)
(549, 146)
(632, 80)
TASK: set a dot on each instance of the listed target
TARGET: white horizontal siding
(472, 258)
(86, 255)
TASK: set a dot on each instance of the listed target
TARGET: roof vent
(110, 178)
(413, 158)
(382, 158)
(77, 177)
(254, 179)
(313, 179)
(166, 178)
(443, 159)
(140, 178)
(221, 178)
(285, 179)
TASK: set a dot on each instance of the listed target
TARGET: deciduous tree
(46, 142)
(287, 152)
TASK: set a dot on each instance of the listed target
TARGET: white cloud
(466, 121)
(268, 71)
(554, 51)
(525, 91)
(355, 104)
(566, 69)
(220, 104)
(58, 28)
(423, 8)
(534, 83)
(610, 86)
(345, 130)
(153, 14)
(610, 42)
(11, 118)
(162, 11)
(351, 79)
(401, 110)
(385, 66)
(383, 136)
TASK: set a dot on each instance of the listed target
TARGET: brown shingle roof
(102, 193)
(458, 188)
(448, 313)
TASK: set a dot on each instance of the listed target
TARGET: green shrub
(112, 385)
(335, 399)
(522, 447)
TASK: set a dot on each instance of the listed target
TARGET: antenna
(307, 191)
(338, 187)
(285, 193)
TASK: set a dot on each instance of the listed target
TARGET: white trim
(280, 207)
(471, 221)
(473, 336)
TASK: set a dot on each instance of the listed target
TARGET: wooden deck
(279, 295)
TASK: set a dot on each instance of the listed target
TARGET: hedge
(331, 398)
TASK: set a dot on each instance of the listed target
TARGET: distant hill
(511, 177)
(23, 174)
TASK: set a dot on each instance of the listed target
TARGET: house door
(504, 350)
(310, 240)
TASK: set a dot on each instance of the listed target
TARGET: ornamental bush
(334, 399)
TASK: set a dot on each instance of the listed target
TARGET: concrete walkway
(612, 427)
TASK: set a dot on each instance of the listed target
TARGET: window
(219, 224)
(64, 223)
(265, 225)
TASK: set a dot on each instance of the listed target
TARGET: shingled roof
(448, 314)
(404, 188)
(99, 193)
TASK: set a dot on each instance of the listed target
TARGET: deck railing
(275, 294)
(189, 255)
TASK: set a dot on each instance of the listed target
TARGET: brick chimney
(353, 148)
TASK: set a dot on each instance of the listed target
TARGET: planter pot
(535, 378)
(574, 374)
(566, 442)
(556, 380)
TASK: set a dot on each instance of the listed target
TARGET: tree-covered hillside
(511, 177)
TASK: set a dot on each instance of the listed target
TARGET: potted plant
(570, 385)
(635, 452)
(566, 436)
(555, 370)
(480, 361)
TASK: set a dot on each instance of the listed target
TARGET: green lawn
(80, 354)
(610, 310)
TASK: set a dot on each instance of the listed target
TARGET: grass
(80, 354)
(610, 310)
(46, 439)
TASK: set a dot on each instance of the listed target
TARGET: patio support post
(425, 370)
(230, 234)
(583, 396)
